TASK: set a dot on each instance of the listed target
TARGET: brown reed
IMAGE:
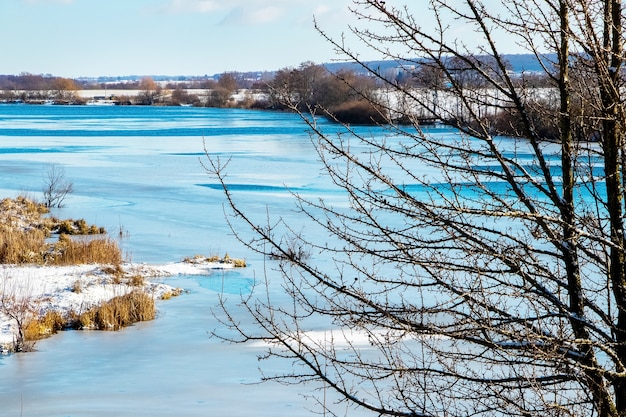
(119, 312)
(70, 251)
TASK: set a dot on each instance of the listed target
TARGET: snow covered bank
(80, 287)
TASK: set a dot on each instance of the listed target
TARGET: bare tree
(487, 273)
(150, 91)
(64, 90)
(17, 303)
(56, 186)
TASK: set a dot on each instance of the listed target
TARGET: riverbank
(77, 288)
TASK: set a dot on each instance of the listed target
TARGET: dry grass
(44, 326)
(136, 281)
(239, 263)
(24, 213)
(22, 246)
(114, 270)
(114, 314)
(226, 259)
(173, 293)
(24, 230)
(77, 227)
(24, 239)
(68, 251)
(119, 312)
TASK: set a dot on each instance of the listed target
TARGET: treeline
(33, 82)
(36, 88)
(309, 87)
(343, 95)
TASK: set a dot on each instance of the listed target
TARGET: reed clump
(25, 233)
(44, 326)
(69, 251)
(175, 292)
(22, 212)
(118, 312)
(77, 227)
(22, 246)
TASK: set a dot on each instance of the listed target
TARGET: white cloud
(257, 12)
(322, 10)
(193, 6)
(254, 15)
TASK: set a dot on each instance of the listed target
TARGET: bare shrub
(359, 112)
(18, 304)
(481, 275)
(56, 187)
(293, 250)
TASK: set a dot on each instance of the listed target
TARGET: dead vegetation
(27, 237)
(174, 292)
(70, 251)
(25, 234)
(226, 260)
(32, 322)
(118, 312)
(44, 326)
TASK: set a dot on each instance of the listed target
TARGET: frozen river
(138, 170)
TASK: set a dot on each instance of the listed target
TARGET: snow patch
(53, 288)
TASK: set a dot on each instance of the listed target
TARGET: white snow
(48, 288)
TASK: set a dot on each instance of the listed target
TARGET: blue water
(139, 171)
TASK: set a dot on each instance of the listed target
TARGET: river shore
(54, 288)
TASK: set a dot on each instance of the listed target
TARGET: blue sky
(74, 38)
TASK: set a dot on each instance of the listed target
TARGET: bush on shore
(358, 112)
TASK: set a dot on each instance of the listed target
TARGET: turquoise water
(138, 171)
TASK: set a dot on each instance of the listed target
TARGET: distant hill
(519, 63)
